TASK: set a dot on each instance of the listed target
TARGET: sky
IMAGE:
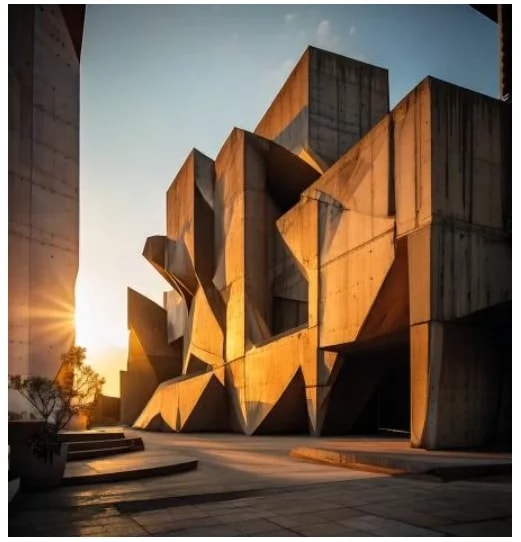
(157, 81)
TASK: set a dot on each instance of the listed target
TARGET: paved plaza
(249, 486)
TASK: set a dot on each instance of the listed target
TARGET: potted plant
(74, 391)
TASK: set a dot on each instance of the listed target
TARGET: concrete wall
(327, 104)
(455, 193)
(43, 187)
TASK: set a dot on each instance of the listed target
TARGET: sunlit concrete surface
(250, 486)
(350, 274)
(44, 79)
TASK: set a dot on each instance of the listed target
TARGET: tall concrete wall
(43, 184)
(453, 201)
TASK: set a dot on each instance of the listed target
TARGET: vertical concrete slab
(419, 245)
(454, 383)
(467, 176)
(413, 159)
(43, 185)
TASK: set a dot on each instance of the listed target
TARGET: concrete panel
(413, 159)
(338, 87)
(236, 393)
(266, 378)
(136, 389)
(162, 406)
(467, 177)
(360, 179)
(420, 278)
(235, 321)
(347, 290)
(390, 311)
(177, 315)
(299, 230)
(204, 337)
(151, 358)
(420, 356)
(202, 404)
(471, 270)
(342, 231)
(289, 413)
(286, 121)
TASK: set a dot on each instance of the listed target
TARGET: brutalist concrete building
(342, 269)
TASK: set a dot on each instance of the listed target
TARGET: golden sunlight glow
(106, 341)
(53, 315)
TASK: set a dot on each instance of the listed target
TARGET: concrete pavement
(249, 486)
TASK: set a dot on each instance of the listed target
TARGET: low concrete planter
(34, 473)
(40, 474)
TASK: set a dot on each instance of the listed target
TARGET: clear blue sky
(157, 81)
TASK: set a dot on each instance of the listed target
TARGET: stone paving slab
(247, 486)
(444, 465)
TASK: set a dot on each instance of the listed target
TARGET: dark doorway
(371, 394)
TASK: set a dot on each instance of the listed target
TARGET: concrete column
(456, 376)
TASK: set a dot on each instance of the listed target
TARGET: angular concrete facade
(44, 53)
(345, 269)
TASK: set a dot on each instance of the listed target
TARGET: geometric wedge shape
(317, 399)
(164, 403)
(190, 214)
(289, 413)
(390, 310)
(204, 337)
(177, 314)
(360, 180)
(147, 321)
(266, 378)
(314, 109)
(172, 261)
(210, 411)
(195, 365)
(349, 286)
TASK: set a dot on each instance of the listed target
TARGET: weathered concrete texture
(327, 104)
(43, 185)
(459, 264)
(151, 359)
(194, 403)
(360, 299)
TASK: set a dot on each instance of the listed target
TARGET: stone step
(80, 455)
(132, 442)
(127, 467)
(84, 436)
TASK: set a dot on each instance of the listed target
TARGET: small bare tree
(74, 391)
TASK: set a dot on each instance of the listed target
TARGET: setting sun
(106, 342)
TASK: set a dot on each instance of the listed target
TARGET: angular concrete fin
(210, 413)
(317, 398)
(287, 175)
(390, 310)
(289, 413)
(195, 365)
